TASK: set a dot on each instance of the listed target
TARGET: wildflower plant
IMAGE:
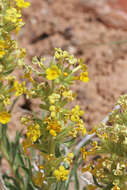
(56, 130)
(109, 168)
(50, 135)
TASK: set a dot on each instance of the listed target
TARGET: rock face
(111, 12)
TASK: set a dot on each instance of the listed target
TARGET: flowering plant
(47, 156)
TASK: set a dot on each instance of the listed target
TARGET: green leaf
(19, 159)
(17, 174)
(44, 107)
(57, 150)
(43, 114)
(76, 181)
(11, 182)
(84, 188)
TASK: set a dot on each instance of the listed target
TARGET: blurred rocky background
(93, 29)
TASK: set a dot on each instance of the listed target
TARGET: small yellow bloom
(54, 127)
(87, 168)
(84, 131)
(53, 98)
(69, 158)
(12, 15)
(22, 4)
(52, 132)
(84, 153)
(53, 72)
(65, 74)
(38, 179)
(18, 25)
(76, 113)
(72, 60)
(2, 47)
(115, 188)
(28, 76)
(2, 53)
(68, 94)
(27, 143)
(6, 101)
(33, 132)
(61, 173)
(60, 54)
(5, 117)
(19, 88)
(84, 76)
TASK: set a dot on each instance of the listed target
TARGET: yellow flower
(52, 132)
(53, 98)
(19, 88)
(87, 168)
(53, 72)
(115, 188)
(54, 127)
(38, 179)
(84, 131)
(76, 113)
(33, 132)
(84, 76)
(18, 25)
(60, 54)
(84, 153)
(2, 46)
(69, 158)
(2, 53)
(68, 94)
(28, 76)
(22, 4)
(22, 53)
(12, 15)
(27, 143)
(5, 117)
(72, 60)
(6, 101)
(61, 173)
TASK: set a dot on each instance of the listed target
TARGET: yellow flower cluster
(68, 94)
(76, 113)
(38, 179)
(69, 158)
(5, 117)
(12, 15)
(10, 54)
(54, 127)
(84, 76)
(53, 98)
(19, 88)
(110, 168)
(22, 4)
(33, 132)
(53, 72)
(61, 173)
(46, 133)
(2, 48)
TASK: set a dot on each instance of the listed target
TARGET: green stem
(76, 69)
(13, 104)
(71, 173)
